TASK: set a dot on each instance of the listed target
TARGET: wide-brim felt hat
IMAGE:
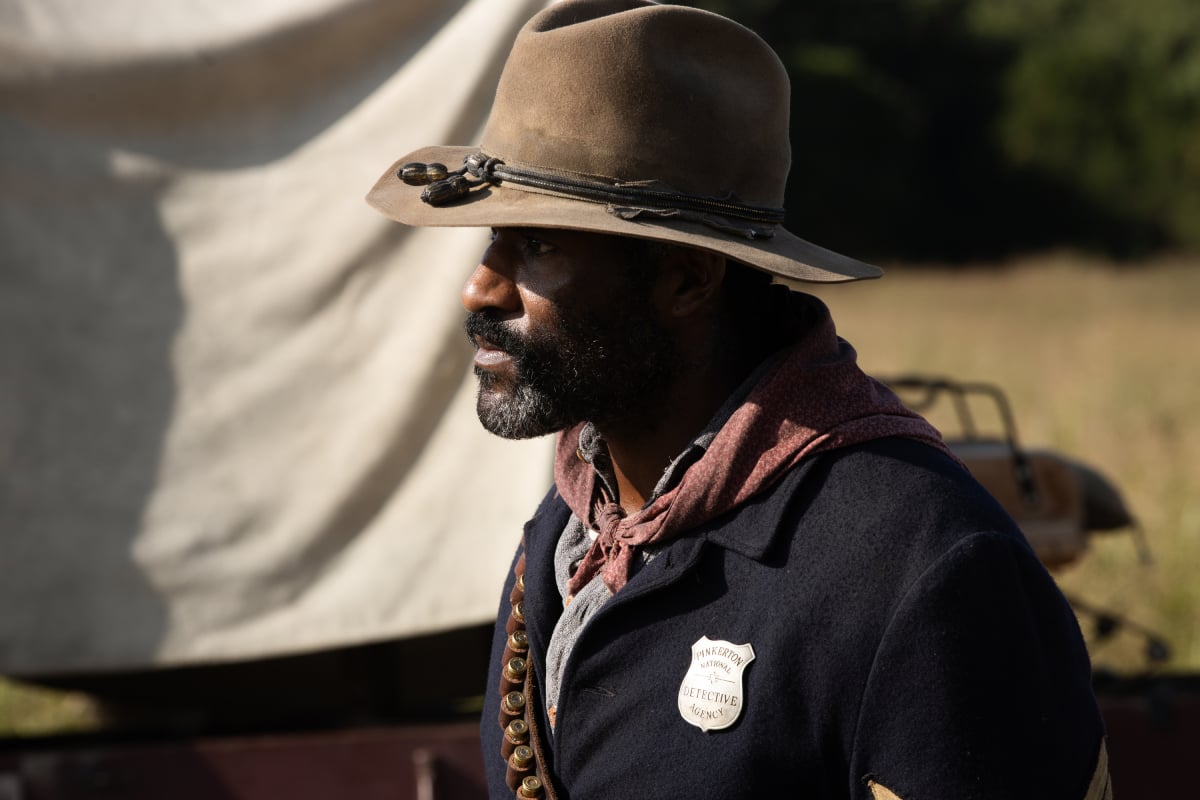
(632, 118)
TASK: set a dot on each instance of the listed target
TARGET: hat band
(625, 200)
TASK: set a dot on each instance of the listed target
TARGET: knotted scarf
(815, 398)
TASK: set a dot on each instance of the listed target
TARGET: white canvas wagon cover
(236, 416)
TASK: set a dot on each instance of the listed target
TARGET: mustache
(482, 326)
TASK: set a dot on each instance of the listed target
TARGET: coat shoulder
(892, 503)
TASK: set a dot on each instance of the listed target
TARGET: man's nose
(490, 287)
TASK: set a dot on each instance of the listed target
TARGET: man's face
(565, 331)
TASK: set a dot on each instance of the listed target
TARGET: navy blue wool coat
(904, 634)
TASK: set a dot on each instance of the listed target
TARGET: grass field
(31, 711)
(1100, 363)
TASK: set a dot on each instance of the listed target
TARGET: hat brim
(498, 206)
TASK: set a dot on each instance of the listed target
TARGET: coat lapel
(543, 605)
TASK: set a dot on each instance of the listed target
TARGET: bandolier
(520, 745)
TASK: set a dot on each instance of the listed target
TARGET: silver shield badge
(711, 694)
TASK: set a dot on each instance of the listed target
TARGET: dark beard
(597, 366)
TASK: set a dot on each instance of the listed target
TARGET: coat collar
(752, 528)
(749, 530)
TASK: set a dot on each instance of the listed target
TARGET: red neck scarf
(815, 398)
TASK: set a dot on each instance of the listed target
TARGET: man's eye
(536, 247)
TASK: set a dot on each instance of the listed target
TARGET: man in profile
(757, 574)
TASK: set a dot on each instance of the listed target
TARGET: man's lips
(489, 355)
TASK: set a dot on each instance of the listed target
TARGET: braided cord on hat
(443, 187)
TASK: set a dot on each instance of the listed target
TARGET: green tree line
(968, 129)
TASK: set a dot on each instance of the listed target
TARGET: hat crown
(636, 91)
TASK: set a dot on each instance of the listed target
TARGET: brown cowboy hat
(633, 118)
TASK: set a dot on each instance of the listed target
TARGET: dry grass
(1100, 363)
(32, 711)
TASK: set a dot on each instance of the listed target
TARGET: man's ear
(689, 282)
